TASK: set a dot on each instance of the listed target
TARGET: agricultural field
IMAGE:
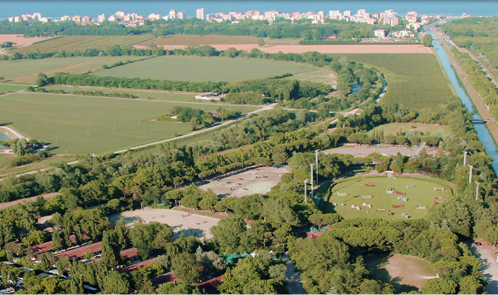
(85, 124)
(19, 40)
(413, 80)
(355, 192)
(140, 94)
(201, 40)
(428, 129)
(25, 70)
(6, 88)
(83, 42)
(201, 69)
(321, 75)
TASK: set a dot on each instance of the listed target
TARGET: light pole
(465, 157)
(305, 192)
(470, 173)
(316, 162)
(311, 183)
(477, 190)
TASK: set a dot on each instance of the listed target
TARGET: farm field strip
(418, 192)
(83, 42)
(85, 124)
(201, 40)
(413, 80)
(393, 128)
(201, 69)
(26, 70)
(7, 88)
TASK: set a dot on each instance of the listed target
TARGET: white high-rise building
(172, 14)
(200, 13)
(101, 17)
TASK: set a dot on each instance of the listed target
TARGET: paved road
(486, 254)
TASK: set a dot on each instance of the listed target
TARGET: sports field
(6, 88)
(26, 70)
(82, 42)
(428, 129)
(200, 69)
(355, 192)
(85, 124)
(413, 80)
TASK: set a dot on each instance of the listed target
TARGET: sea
(93, 8)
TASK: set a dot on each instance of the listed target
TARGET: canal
(481, 129)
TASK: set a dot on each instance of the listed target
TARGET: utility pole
(311, 183)
(470, 173)
(465, 157)
(305, 192)
(316, 162)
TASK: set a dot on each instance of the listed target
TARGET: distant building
(65, 18)
(200, 13)
(380, 33)
(335, 14)
(101, 17)
(154, 16)
(181, 15)
(347, 13)
(172, 14)
(120, 14)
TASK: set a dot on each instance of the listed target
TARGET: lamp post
(311, 183)
(305, 192)
(316, 162)
(470, 173)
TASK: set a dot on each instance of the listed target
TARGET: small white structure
(380, 33)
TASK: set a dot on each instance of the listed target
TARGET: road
(487, 256)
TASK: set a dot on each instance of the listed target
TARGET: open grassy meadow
(428, 129)
(419, 192)
(202, 40)
(83, 42)
(200, 69)
(413, 80)
(6, 88)
(85, 124)
(25, 70)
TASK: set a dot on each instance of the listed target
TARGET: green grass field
(200, 69)
(321, 75)
(83, 42)
(6, 88)
(85, 124)
(414, 80)
(26, 70)
(423, 194)
(200, 40)
(428, 129)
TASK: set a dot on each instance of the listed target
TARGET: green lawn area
(198, 40)
(200, 69)
(428, 129)
(6, 88)
(85, 124)
(413, 80)
(49, 162)
(25, 70)
(423, 194)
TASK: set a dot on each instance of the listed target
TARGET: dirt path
(30, 199)
(11, 133)
(294, 282)
(487, 256)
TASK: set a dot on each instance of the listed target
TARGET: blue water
(481, 129)
(94, 8)
(3, 137)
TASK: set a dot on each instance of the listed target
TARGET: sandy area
(383, 149)
(408, 270)
(336, 48)
(246, 182)
(19, 39)
(181, 222)
(487, 255)
(30, 199)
